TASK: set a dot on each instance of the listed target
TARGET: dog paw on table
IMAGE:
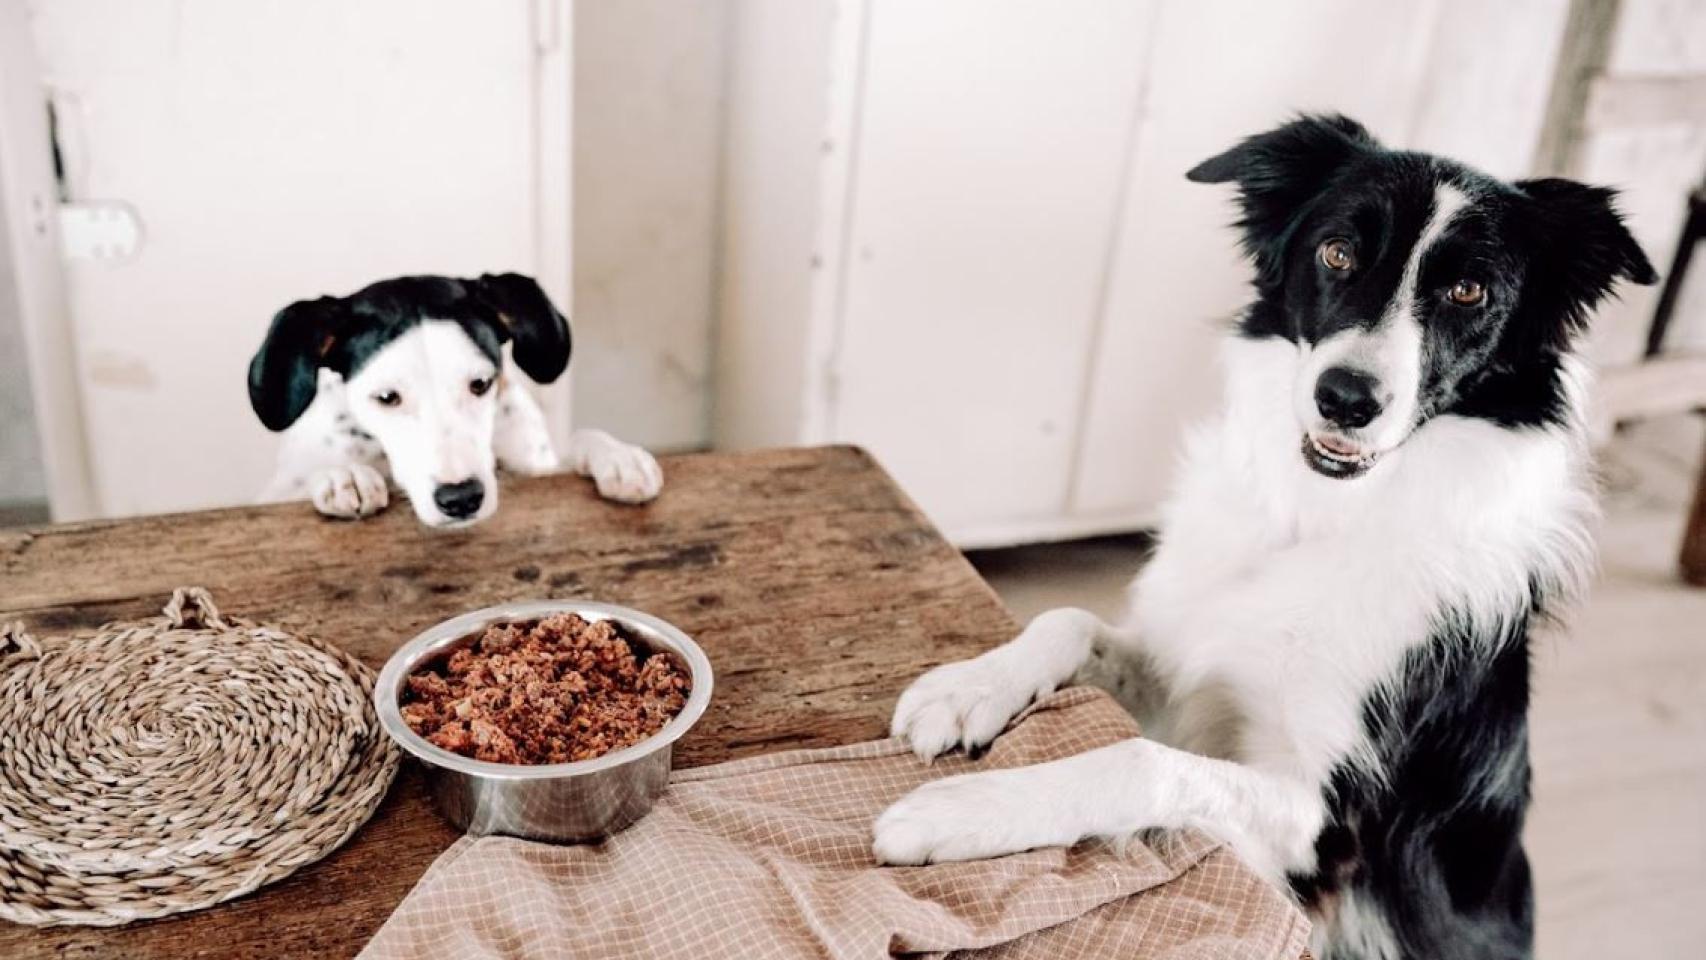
(620, 471)
(969, 817)
(348, 491)
(964, 704)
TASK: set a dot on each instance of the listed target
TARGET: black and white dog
(409, 376)
(1330, 650)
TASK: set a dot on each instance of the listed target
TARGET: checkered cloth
(770, 858)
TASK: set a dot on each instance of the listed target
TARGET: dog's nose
(460, 500)
(1346, 397)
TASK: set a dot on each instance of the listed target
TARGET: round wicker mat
(171, 764)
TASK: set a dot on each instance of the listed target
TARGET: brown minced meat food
(554, 691)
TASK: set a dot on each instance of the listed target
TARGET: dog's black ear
(1582, 249)
(1278, 173)
(285, 371)
(527, 318)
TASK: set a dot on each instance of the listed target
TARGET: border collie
(409, 377)
(1329, 650)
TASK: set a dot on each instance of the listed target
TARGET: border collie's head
(419, 358)
(1414, 286)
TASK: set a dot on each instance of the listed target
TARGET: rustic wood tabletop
(815, 586)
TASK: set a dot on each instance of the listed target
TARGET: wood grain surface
(815, 586)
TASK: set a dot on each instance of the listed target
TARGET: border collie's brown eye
(1336, 254)
(387, 398)
(1467, 293)
(479, 387)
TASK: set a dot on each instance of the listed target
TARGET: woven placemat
(174, 763)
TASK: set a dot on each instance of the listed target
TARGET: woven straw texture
(168, 765)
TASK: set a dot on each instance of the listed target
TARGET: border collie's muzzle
(1348, 400)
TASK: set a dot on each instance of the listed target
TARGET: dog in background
(409, 377)
(1330, 649)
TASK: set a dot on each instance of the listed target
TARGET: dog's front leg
(519, 437)
(331, 474)
(1269, 820)
(348, 491)
(621, 471)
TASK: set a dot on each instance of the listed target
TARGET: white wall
(648, 103)
(777, 147)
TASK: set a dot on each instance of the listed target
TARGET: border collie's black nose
(1346, 397)
(460, 500)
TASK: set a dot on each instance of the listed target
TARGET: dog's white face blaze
(1390, 352)
(439, 432)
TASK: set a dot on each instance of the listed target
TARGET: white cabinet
(959, 234)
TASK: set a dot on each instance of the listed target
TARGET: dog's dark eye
(1467, 293)
(479, 387)
(1336, 254)
(387, 398)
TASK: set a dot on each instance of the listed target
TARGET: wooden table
(813, 583)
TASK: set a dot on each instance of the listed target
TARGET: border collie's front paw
(965, 704)
(625, 473)
(348, 492)
(968, 817)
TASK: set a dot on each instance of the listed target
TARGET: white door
(989, 165)
(272, 152)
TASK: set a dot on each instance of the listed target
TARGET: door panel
(988, 165)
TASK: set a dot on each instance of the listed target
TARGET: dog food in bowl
(556, 690)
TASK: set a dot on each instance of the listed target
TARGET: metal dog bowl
(578, 801)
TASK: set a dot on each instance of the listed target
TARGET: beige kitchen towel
(770, 857)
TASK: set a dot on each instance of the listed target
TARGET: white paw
(968, 817)
(350, 492)
(965, 704)
(625, 473)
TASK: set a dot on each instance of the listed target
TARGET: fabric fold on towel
(770, 857)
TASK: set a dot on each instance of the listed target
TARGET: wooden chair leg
(1694, 537)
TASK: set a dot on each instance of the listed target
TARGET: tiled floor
(1617, 834)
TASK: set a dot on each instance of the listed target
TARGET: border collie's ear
(1278, 173)
(526, 316)
(285, 372)
(1583, 246)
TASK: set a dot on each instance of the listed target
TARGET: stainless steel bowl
(561, 801)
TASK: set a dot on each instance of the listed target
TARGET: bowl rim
(447, 632)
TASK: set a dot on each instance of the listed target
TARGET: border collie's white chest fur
(1279, 598)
